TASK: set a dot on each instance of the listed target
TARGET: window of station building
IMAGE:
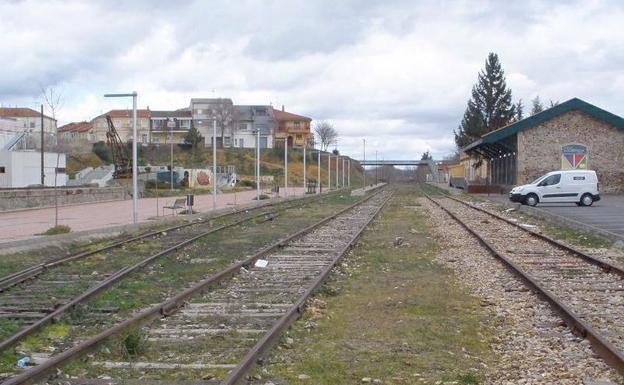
(2, 170)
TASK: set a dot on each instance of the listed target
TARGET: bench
(177, 204)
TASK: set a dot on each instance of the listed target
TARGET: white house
(29, 119)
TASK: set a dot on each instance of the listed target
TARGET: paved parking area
(606, 215)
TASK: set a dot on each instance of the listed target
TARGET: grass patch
(59, 229)
(392, 314)
(576, 237)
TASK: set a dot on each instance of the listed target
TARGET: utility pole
(42, 152)
(318, 171)
(305, 144)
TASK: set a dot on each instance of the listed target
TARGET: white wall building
(23, 168)
(29, 119)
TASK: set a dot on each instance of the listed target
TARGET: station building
(571, 135)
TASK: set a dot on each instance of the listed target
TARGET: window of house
(226, 141)
(185, 124)
(242, 126)
(144, 138)
(299, 136)
(241, 143)
(2, 170)
(32, 124)
(199, 111)
(297, 124)
(60, 170)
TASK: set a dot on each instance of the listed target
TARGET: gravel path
(532, 343)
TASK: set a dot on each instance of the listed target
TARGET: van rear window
(579, 178)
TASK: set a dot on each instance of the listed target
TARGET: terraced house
(122, 120)
(292, 128)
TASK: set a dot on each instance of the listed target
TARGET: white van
(578, 186)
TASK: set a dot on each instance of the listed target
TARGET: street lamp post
(376, 168)
(318, 171)
(349, 172)
(286, 166)
(135, 171)
(258, 165)
(328, 172)
(214, 163)
(171, 124)
(343, 172)
(364, 167)
(337, 158)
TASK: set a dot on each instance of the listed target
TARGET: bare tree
(223, 111)
(325, 133)
(53, 99)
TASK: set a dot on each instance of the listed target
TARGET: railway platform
(23, 225)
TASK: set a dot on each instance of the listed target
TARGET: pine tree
(490, 106)
(537, 106)
(519, 110)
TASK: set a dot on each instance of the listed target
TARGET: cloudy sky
(397, 73)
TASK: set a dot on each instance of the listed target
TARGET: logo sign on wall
(574, 157)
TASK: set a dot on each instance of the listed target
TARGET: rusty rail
(604, 348)
(18, 277)
(269, 339)
(113, 279)
(166, 308)
(606, 266)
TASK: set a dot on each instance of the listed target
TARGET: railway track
(225, 322)
(39, 295)
(587, 292)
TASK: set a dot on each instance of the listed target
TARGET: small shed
(23, 168)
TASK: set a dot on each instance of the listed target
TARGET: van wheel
(531, 200)
(587, 200)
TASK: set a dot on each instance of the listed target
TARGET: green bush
(102, 151)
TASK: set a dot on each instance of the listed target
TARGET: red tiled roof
(121, 114)
(284, 115)
(76, 127)
(20, 112)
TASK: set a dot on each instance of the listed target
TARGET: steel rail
(604, 348)
(165, 308)
(608, 267)
(294, 312)
(18, 277)
(113, 279)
